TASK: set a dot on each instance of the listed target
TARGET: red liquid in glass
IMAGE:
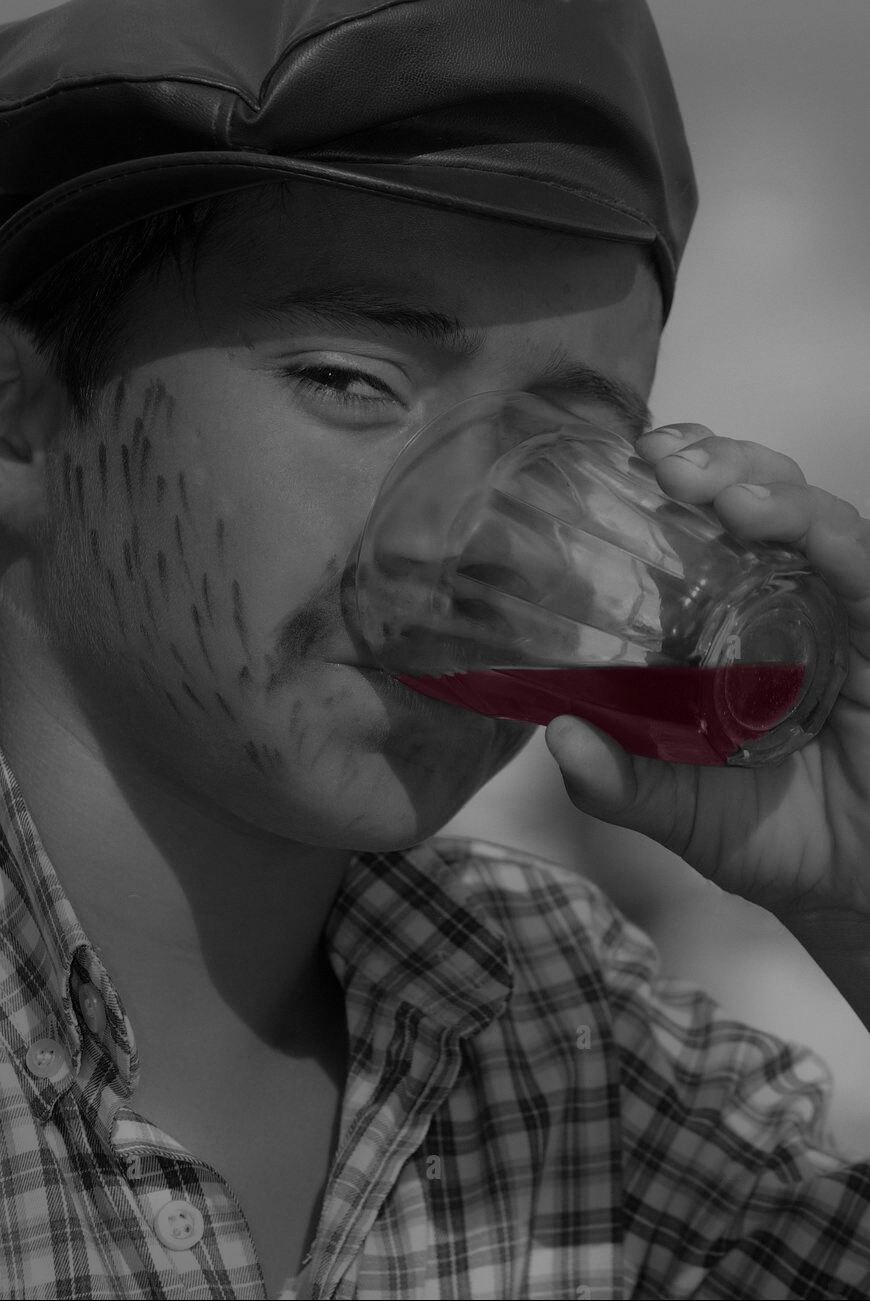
(682, 715)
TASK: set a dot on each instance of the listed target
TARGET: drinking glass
(524, 563)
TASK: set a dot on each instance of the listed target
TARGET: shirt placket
(192, 1231)
(178, 1213)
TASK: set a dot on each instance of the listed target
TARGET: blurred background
(769, 340)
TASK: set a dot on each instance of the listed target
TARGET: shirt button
(92, 1008)
(46, 1059)
(179, 1225)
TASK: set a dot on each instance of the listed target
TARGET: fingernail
(676, 434)
(696, 455)
(559, 730)
(756, 489)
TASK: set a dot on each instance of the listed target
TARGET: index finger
(830, 532)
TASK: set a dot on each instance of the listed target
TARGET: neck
(174, 894)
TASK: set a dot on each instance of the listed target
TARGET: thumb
(605, 781)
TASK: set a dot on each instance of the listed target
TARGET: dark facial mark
(179, 543)
(104, 471)
(220, 531)
(147, 635)
(197, 623)
(163, 572)
(113, 588)
(239, 617)
(350, 771)
(182, 492)
(118, 402)
(161, 489)
(207, 599)
(244, 678)
(177, 656)
(298, 733)
(224, 706)
(144, 461)
(149, 603)
(147, 675)
(80, 491)
(300, 738)
(67, 476)
(298, 635)
(171, 699)
(273, 757)
(95, 545)
(128, 562)
(301, 633)
(134, 538)
(251, 752)
(188, 691)
(298, 706)
(313, 759)
(349, 826)
(138, 430)
(125, 463)
(154, 396)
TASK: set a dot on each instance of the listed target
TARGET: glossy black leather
(558, 113)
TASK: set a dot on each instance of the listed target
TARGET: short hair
(74, 313)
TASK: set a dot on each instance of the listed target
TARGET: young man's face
(209, 510)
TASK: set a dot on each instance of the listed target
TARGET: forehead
(480, 270)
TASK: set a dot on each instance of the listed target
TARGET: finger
(829, 531)
(598, 773)
(668, 439)
(694, 465)
(610, 784)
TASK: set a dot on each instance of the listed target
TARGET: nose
(431, 493)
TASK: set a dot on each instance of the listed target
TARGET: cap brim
(58, 224)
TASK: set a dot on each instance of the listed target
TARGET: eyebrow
(562, 372)
(351, 304)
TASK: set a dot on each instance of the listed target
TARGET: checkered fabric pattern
(529, 1113)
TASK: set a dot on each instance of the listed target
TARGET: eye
(343, 385)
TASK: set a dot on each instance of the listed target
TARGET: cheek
(167, 578)
(137, 578)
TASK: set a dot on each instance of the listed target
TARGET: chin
(407, 793)
(380, 775)
(369, 802)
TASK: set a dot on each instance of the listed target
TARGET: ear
(31, 412)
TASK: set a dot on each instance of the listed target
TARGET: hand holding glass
(524, 563)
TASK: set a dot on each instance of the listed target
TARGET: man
(249, 249)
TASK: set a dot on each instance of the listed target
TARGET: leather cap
(552, 113)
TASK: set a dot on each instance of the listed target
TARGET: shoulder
(546, 912)
(579, 962)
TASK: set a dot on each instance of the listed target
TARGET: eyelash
(304, 375)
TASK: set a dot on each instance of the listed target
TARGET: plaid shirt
(529, 1111)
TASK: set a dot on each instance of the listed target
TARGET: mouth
(363, 665)
(422, 707)
(390, 687)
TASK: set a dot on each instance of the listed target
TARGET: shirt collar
(45, 943)
(402, 930)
